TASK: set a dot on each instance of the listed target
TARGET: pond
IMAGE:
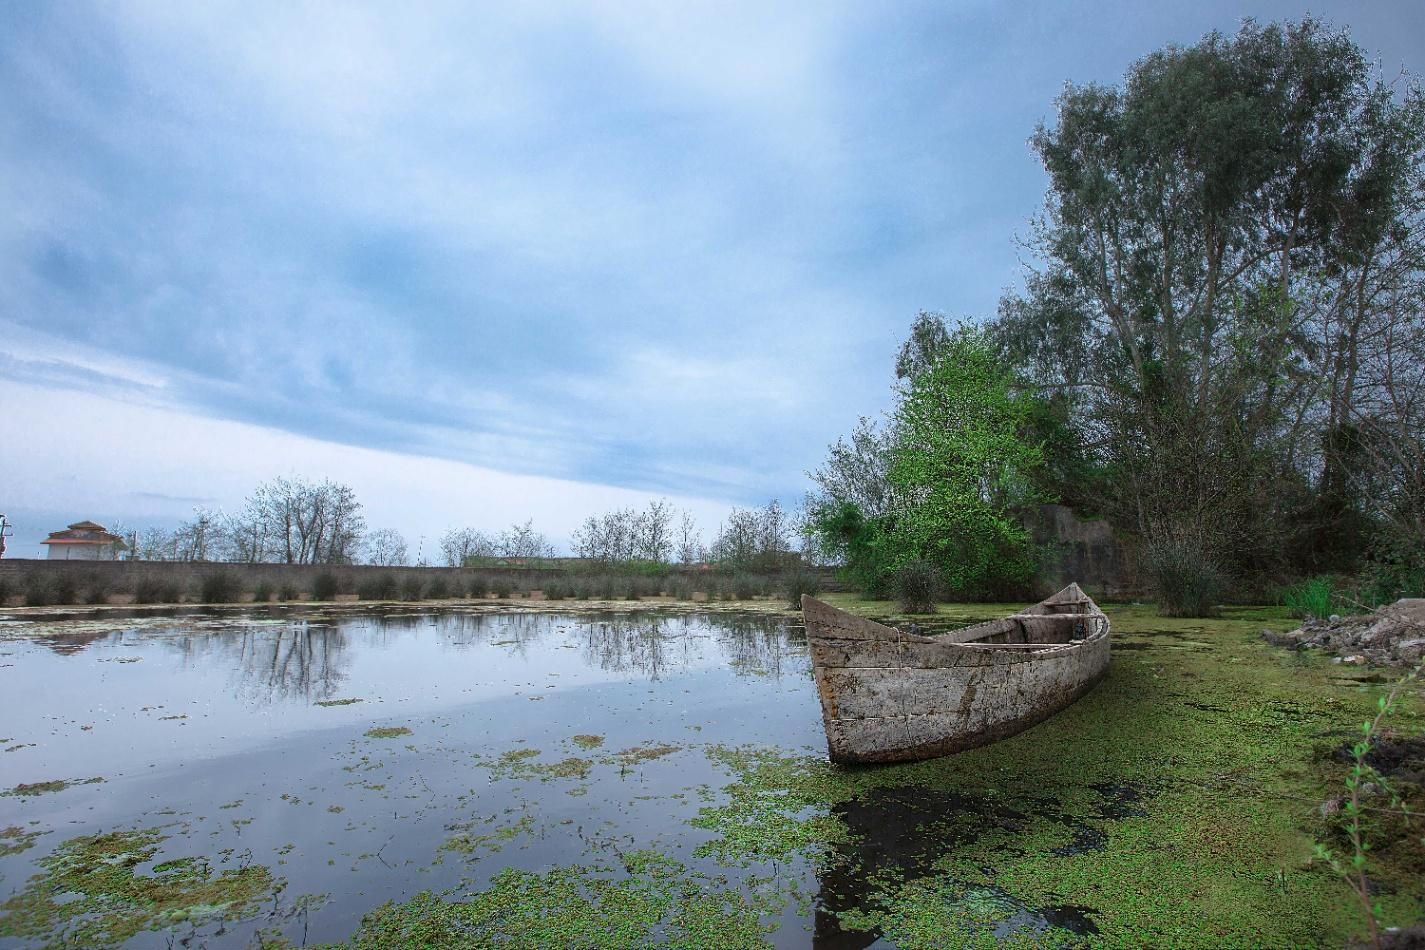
(615, 778)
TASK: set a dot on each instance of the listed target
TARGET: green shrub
(744, 586)
(1188, 581)
(218, 587)
(606, 587)
(288, 592)
(555, 589)
(146, 591)
(797, 583)
(681, 588)
(412, 587)
(580, 589)
(380, 587)
(479, 586)
(503, 588)
(1313, 597)
(324, 586)
(439, 589)
(262, 593)
(39, 592)
(915, 586)
(66, 589)
(1386, 580)
(96, 591)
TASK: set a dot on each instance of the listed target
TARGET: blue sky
(629, 249)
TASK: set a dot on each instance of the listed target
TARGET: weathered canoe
(892, 696)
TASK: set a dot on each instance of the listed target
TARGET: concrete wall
(1085, 551)
(120, 579)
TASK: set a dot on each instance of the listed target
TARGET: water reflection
(297, 662)
(272, 657)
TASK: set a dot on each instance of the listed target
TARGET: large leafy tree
(1193, 215)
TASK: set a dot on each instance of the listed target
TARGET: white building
(84, 541)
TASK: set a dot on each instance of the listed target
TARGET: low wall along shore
(120, 582)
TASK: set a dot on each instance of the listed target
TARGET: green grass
(1314, 597)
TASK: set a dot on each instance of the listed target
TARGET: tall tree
(1188, 212)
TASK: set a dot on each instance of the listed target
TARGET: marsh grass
(1188, 582)
(1313, 597)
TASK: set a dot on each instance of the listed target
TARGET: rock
(1411, 651)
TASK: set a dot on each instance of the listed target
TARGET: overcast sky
(487, 263)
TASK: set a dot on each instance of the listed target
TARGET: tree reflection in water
(299, 660)
(655, 645)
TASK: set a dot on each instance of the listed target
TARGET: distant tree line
(297, 521)
(1220, 343)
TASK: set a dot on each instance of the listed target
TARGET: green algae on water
(387, 732)
(651, 899)
(28, 790)
(1173, 805)
(338, 702)
(95, 891)
(14, 840)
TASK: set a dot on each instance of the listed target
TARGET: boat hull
(892, 696)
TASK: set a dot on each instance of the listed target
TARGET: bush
(503, 588)
(7, 591)
(479, 586)
(439, 589)
(324, 586)
(681, 588)
(580, 590)
(39, 592)
(797, 583)
(380, 587)
(96, 591)
(744, 586)
(219, 587)
(1189, 583)
(66, 590)
(605, 587)
(262, 593)
(1386, 580)
(288, 591)
(1313, 597)
(555, 589)
(412, 587)
(146, 591)
(915, 585)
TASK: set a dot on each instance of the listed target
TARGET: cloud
(141, 464)
(659, 246)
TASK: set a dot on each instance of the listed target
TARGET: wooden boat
(892, 696)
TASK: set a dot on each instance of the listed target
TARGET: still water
(367, 755)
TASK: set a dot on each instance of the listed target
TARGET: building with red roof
(84, 541)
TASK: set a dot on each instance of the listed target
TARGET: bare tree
(522, 541)
(386, 548)
(459, 545)
(655, 531)
(689, 539)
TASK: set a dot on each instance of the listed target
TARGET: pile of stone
(1390, 636)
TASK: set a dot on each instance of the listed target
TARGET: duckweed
(94, 891)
